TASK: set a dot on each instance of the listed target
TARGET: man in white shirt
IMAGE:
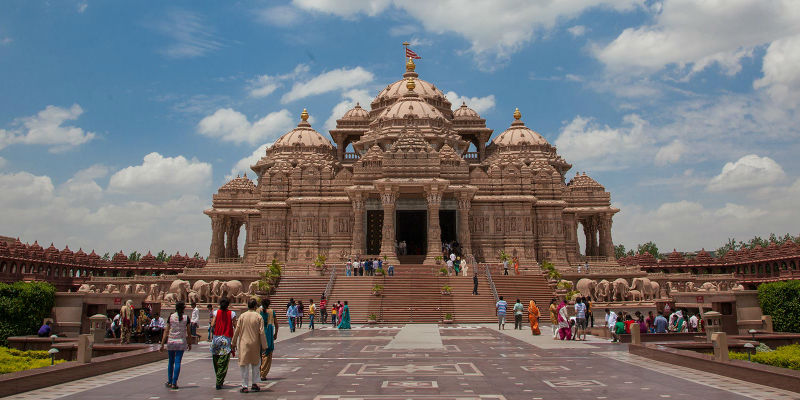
(449, 266)
(156, 328)
(693, 323)
(195, 321)
(611, 320)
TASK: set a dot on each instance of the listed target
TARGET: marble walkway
(472, 362)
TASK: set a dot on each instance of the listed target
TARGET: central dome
(426, 91)
(410, 105)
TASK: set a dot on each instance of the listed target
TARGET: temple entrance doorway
(374, 231)
(447, 223)
(412, 226)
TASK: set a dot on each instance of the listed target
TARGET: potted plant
(372, 319)
(319, 264)
(377, 290)
(443, 271)
(446, 289)
(448, 318)
(437, 259)
(550, 271)
(269, 279)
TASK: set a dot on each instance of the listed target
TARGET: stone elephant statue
(708, 287)
(216, 293)
(111, 288)
(154, 292)
(586, 287)
(644, 287)
(656, 290)
(690, 287)
(180, 288)
(724, 286)
(203, 289)
(194, 297)
(738, 286)
(635, 295)
(669, 288)
(86, 288)
(170, 297)
(139, 288)
(231, 289)
(252, 288)
(126, 289)
(242, 297)
(603, 291)
(620, 287)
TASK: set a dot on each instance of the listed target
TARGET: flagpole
(405, 51)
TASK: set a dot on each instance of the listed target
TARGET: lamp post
(52, 353)
(753, 332)
(749, 347)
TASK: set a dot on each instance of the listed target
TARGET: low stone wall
(781, 378)
(23, 381)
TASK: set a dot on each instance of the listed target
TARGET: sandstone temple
(411, 170)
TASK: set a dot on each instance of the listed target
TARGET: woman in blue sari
(345, 317)
(271, 332)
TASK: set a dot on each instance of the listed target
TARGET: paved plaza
(461, 362)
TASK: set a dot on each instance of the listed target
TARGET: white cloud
(344, 8)
(337, 79)
(6, 41)
(230, 125)
(403, 30)
(781, 78)
(243, 166)
(158, 174)
(350, 98)
(83, 185)
(479, 104)
(3, 162)
(264, 85)
(282, 16)
(191, 35)
(699, 34)
(670, 153)
(747, 172)
(577, 30)
(82, 6)
(46, 128)
(582, 140)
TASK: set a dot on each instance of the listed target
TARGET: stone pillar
(606, 247)
(388, 250)
(217, 237)
(357, 201)
(247, 234)
(464, 206)
(588, 231)
(228, 224)
(340, 151)
(719, 340)
(636, 334)
(434, 198)
(85, 348)
(236, 227)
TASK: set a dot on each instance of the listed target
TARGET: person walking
(344, 313)
(554, 317)
(291, 315)
(563, 321)
(516, 266)
(210, 321)
(323, 310)
(611, 320)
(518, 308)
(194, 321)
(533, 318)
(312, 311)
(251, 341)
(505, 266)
(177, 338)
(580, 319)
(271, 332)
(348, 267)
(300, 313)
(223, 321)
(126, 322)
(475, 284)
(500, 310)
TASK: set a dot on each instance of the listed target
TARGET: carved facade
(411, 169)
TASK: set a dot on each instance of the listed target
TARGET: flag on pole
(410, 54)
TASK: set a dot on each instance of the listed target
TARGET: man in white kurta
(249, 341)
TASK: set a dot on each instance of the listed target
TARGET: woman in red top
(223, 322)
(628, 322)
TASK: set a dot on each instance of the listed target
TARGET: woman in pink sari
(563, 321)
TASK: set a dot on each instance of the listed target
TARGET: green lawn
(784, 357)
(12, 360)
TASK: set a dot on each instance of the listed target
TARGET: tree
(648, 247)
(196, 255)
(135, 256)
(162, 256)
(619, 251)
(729, 246)
(106, 256)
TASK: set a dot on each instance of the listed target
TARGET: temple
(411, 170)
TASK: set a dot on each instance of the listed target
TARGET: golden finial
(410, 85)
(304, 115)
(410, 66)
(517, 114)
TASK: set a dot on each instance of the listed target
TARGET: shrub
(443, 271)
(25, 305)
(13, 360)
(783, 357)
(550, 270)
(781, 300)
(448, 316)
(377, 288)
(372, 317)
(447, 288)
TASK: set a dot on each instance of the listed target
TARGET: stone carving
(621, 288)
(252, 288)
(215, 290)
(154, 292)
(180, 288)
(635, 295)
(231, 289)
(170, 298)
(603, 291)
(126, 289)
(657, 294)
(586, 287)
(689, 287)
(194, 297)
(203, 289)
(111, 288)
(86, 288)
(643, 286)
(738, 286)
(708, 287)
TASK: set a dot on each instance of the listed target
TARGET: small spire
(410, 85)
(304, 115)
(517, 114)
(358, 105)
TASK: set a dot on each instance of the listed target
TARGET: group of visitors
(368, 267)
(514, 263)
(295, 311)
(566, 327)
(519, 309)
(456, 265)
(619, 323)
(584, 269)
(146, 325)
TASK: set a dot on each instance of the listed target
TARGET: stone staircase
(357, 291)
(300, 288)
(524, 287)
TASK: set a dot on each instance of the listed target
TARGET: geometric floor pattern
(475, 363)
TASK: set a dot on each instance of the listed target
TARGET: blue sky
(119, 120)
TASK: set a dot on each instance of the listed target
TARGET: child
(619, 328)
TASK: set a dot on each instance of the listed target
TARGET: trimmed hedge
(24, 306)
(784, 357)
(781, 300)
(12, 360)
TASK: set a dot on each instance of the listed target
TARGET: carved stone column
(434, 198)
(236, 227)
(357, 201)
(228, 227)
(388, 200)
(606, 247)
(217, 237)
(464, 206)
(590, 231)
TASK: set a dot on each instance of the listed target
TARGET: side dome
(356, 113)
(238, 184)
(303, 136)
(465, 112)
(519, 134)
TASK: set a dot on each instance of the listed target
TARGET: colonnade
(597, 230)
(224, 236)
